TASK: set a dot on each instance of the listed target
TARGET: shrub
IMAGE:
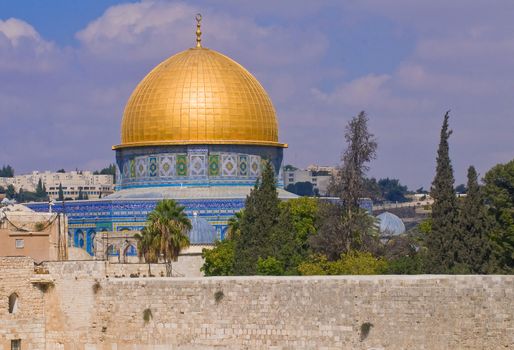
(218, 296)
(352, 263)
(147, 315)
(270, 267)
(365, 329)
(406, 265)
(219, 261)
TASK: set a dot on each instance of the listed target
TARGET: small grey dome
(202, 232)
(390, 224)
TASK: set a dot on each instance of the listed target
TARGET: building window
(20, 244)
(16, 344)
(13, 303)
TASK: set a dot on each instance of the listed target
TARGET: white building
(72, 183)
(319, 176)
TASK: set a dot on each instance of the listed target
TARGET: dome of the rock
(198, 129)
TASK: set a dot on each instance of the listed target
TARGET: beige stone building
(72, 182)
(41, 236)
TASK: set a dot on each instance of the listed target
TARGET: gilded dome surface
(199, 96)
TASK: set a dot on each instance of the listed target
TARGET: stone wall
(86, 310)
(27, 322)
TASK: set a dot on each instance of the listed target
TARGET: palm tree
(167, 232)
(148, 246)
(234, 225)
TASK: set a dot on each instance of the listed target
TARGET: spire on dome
(198, 18)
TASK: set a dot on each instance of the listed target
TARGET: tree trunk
(169, 270)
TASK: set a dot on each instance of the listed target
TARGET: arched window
(13, 303)
(130, 250)
(90, 242)
(112, 250)
(79, 239)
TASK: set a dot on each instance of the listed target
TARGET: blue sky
(68, 67)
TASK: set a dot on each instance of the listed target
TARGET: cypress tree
(440, 241)
(258, 224)
(61, 193)
(474, 253)
(40, 190)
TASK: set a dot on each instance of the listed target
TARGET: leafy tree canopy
(168, 225)
(219, 261)
(351, 263)
(499, 191)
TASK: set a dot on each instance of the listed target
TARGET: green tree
(61, 193)
(6, 171)
(361, 149)
(219, 261)
(270, 266)
(234, 225)
(406, 265)
(81, 194)
(110, 170)
(257, 225)
(304, 188)
(351, 263)
(372, 190)
(148, 246)
(304, 212)
(10, 192)
(350, 227)
(474, 249)
(284, 244)
(499, 191)
(337, 232)
(442, 250)
(41, 190)
(170, 224)
(392, 190)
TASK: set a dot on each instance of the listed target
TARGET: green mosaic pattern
(181, 165)
(214, 165)
(132, 168)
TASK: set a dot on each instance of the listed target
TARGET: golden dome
(199, 96)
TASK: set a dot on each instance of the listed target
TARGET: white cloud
(15, 29)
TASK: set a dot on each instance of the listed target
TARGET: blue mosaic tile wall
(86, 218)
(208, 165)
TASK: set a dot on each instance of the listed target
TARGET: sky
(67, 69)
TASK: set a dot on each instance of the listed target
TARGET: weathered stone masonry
(86, 310)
